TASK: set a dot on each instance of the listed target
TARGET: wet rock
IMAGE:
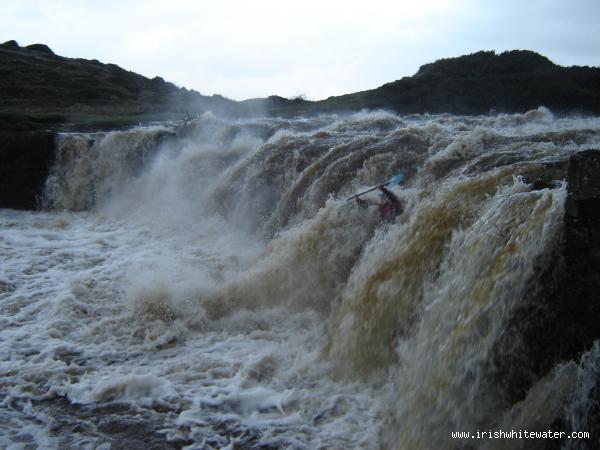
(583, 204)
(26, 158)
(581, 287)
(546, 174)
(560, 318)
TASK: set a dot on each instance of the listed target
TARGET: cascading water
(208, 286)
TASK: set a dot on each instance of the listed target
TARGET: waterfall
(419, 311)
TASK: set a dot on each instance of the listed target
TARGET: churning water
(208, 286)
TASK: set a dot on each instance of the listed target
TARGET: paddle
(396, 179)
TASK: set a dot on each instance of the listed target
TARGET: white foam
(139, 388)
(160, 298)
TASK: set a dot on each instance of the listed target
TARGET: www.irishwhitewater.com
(520, 434)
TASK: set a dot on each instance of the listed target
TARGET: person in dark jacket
(389, 206)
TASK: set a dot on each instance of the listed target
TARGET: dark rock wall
(26, 160)
(560, 318)
(579, 315)
(582, 248)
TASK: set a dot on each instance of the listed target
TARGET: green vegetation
(42, 90)
(515, 81)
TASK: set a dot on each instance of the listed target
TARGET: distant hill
(514, 81)
(37, 85)
(36, 82)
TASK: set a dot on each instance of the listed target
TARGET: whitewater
(207, 285)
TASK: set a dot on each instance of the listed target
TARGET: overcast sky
(254, 48)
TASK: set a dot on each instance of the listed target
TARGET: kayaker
(389, 205)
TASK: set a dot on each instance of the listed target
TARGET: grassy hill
(41, 89)
(37, 86)
(514, 81)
